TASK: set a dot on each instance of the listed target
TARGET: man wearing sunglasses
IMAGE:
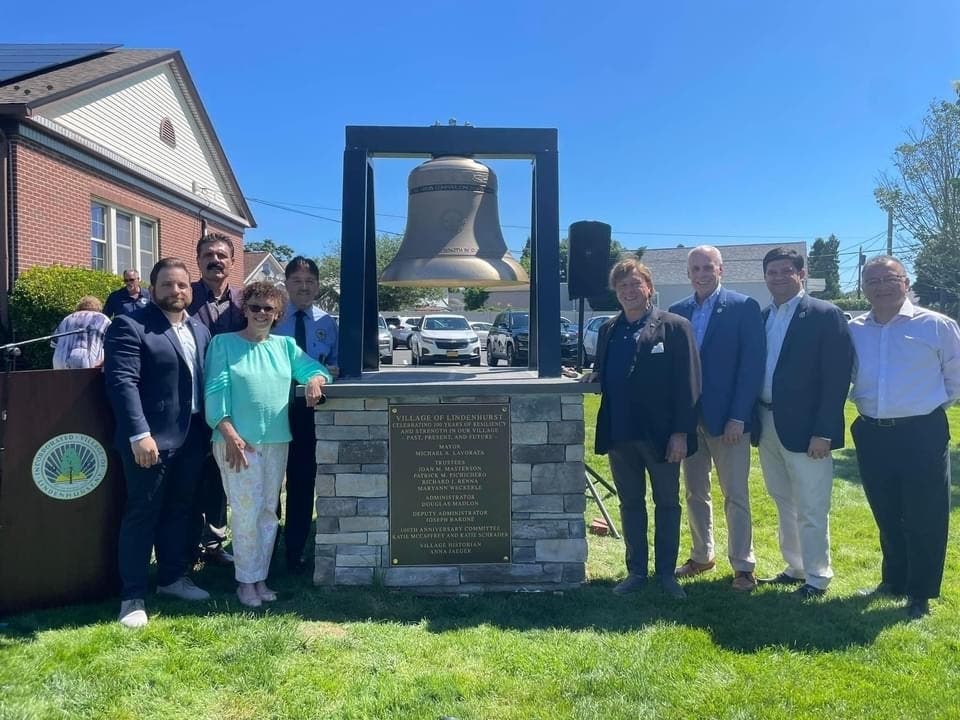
(907, 373)
(315, 333)
(128, 298)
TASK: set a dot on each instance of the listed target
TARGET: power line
(292, 207)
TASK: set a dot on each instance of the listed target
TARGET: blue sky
(747, 121)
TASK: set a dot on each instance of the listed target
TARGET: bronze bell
(453, 236)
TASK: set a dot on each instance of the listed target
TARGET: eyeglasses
(260, 308)
(128, 280)
(887, 280)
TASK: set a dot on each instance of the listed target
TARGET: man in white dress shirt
(809, 359)
(908, 371)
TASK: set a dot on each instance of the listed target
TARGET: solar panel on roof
(20, 60)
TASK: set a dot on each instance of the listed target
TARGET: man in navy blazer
(649, 374)
(729, 335)
(154, 379)
(806, 379)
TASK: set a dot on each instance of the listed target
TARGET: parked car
(384, 341)
(509, 338)
(444, 338)
(400, 328)
(590, 338)
(568, 341)
(481, 329)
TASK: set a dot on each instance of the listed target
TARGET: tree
(608, 299)
(824, 262)
(328, 296)
(564, 254)
(71, 467)
(474, 298)
(282, 253)
(923, 194)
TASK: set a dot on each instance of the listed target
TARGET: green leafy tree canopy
(923, 194)
(283, 253)
(824, 262)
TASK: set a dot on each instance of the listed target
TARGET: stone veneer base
(549, 547)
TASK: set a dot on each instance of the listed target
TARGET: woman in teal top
(247, 390)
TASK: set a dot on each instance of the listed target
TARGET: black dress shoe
(883, 589)
(917, 608)
(781, 579)
(630, 584)
(216, 556)
(671, 588)
(809, 591)
(296, 566)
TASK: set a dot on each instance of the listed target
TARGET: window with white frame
(120, 239)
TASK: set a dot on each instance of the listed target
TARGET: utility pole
(860, 261)
(890, 231)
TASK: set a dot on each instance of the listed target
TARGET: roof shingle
(45, 87)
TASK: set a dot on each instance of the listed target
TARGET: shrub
(851, 303)
(43, 296)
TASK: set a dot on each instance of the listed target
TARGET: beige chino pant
(800, 486)
(733, 470)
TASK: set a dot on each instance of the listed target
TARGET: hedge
(850, 303)
(43, 296)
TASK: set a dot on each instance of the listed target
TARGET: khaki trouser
(733, 470)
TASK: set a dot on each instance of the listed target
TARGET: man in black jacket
(649, 370)
(809, 362)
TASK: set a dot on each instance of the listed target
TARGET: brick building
(107, 160)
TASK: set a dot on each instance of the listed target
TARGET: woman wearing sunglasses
(248, 375)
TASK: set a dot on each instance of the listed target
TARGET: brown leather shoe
(691, 567)
(744, 581)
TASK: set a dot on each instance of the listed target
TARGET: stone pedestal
(546, 476)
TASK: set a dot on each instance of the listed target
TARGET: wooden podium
(61, 490)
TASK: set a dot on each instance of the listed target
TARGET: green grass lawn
(579, 654)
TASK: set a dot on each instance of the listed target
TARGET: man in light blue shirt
(315, 333)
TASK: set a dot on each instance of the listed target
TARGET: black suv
(509, 338)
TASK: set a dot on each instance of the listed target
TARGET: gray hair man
(730, 337)
(907, 372)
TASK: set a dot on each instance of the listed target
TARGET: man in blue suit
(806, 378)
(154, 377)
(729, 335)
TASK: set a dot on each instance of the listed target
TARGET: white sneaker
(132, 614)
(183, 589)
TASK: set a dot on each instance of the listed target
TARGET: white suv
(590, 338)
(444, 338)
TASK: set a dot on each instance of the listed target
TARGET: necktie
(300, 330)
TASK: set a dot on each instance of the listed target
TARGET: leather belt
(891, 422)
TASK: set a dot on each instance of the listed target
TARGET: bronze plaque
(449, 484)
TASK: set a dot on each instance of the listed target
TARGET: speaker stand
(591, 476)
